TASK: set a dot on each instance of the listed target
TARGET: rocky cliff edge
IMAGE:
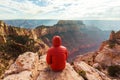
(29, 66)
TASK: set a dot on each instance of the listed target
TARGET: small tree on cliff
(112, 36)
(114, 70)
(112, 39)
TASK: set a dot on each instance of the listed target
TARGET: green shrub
(112, 44)
(18, 39)
(72, 63)
(83, 74)
(17, 45)
(23, 40)
(14, 49)
(114, 70)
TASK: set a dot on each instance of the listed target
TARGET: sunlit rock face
(24, 68)
(29, 67)
(108, 56)
(90, 72)
(47, 74)
(109, 53)
(6, 30)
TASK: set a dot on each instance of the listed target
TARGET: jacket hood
(56, 41)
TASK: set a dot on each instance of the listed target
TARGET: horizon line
(63, 19)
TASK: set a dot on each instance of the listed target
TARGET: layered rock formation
(16, 34)
(108, 55)
(6, 30)
(99, 62)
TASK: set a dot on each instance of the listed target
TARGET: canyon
(90, 66)
(76, 36)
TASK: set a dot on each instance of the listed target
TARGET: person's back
(57, 55)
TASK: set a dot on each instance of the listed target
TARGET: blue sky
(60, 9)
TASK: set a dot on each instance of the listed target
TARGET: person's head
(56, 41)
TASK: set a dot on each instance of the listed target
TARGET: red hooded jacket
(57, 55)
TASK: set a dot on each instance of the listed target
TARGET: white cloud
(62, 9)
(25, 6)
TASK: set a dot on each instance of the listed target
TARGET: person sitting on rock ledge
(57, 55)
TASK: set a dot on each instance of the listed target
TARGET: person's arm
(49, 58)
(66, 54)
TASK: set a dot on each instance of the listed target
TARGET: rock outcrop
(24, 68)
(112, 36)
(15, 41)
(109, 53)
(47, 74)
(29, 67)
(90, 72)
(87, 58)
(6, 30)
(108, 56)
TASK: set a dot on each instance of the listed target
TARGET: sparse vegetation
(14, 46)
(41, 27)
(72, 63)
(18, 39)
(112, 43)
(83, 74)
(4, 63)
(114, 70)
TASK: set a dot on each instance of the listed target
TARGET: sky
(60, 9)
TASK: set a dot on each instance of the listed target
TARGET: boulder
(108, 56)
(24, 68)
(90, 72)
(47, 74)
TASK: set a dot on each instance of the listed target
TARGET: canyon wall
(76, 36)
